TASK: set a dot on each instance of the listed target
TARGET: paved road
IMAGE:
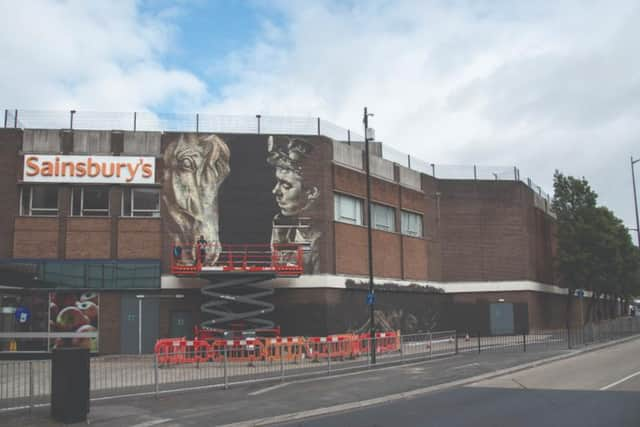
(599, 388)
(243, 403)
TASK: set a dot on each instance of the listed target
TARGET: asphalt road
(538, 399)
(600, 388)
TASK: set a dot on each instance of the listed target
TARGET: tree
(595, 251)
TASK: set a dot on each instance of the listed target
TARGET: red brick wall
(88, 238)
(139, 238)
(484, 231)
(351, 249)
(414, 257)
(36, 237)
(387, 260)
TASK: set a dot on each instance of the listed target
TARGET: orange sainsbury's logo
(89, 168)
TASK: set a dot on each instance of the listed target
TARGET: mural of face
(195, 167)
(291, 196)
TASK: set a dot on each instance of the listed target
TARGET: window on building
(348, 209)
(411, 224)
(90, 201)
(383, 217)
(141, 202)
(39, 200)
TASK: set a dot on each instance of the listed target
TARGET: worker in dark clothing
(202, 248)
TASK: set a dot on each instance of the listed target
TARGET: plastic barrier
(170, 350)
(291, 349)
(334, 346)
(251, 349)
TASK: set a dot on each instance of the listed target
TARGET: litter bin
(70, 385)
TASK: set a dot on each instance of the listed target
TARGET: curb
(417, 392)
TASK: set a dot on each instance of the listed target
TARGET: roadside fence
(26, 383)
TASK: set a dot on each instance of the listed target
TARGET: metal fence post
(135, 120)
(226, 373)
(401, 349)
(15, 118)
(6, 117)
(329, 358)
(156, 386)
(524, 341)
(369, 353)
(433, 170)
(319, 127)
(478, 341)
(30, 385)
(475, 172)
(281, 365)
(197, 122)
(456, 342)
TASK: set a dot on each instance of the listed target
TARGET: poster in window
(73, 319)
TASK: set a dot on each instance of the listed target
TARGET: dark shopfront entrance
(139, 320)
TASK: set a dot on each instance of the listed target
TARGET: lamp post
(635, 198)
(371, 296)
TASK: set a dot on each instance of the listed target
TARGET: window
(39, 200)
(383, 217)
(348, 209)
(411, 224)
(141, 202)
(90, 201)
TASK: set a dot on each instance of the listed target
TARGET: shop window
(39, 200)
(348, 209)
(411, 224)
(383, 217)
(142, 202)
(90, 201)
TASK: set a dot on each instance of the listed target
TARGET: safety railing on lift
(202, 258)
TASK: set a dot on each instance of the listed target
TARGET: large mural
(225, 190)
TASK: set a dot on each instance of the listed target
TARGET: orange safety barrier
(291, 349)
(334, 346)
(386, 342)
(244, 350)
(196, 351)
(170, 350)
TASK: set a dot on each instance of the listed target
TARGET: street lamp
(635, 198)
(371, 297)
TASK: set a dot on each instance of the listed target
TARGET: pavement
(272, 403)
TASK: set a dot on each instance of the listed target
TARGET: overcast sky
(541, 85)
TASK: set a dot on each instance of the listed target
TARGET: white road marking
(152, 422)
(607, 387)
(465, 366)
(264, 390)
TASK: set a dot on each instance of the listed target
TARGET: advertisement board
(89, 169)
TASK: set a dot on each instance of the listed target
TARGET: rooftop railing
(260, 124)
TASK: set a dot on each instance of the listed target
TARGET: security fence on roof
(260, 124)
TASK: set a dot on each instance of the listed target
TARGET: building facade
(91, 220)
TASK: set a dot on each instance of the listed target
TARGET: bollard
(156, 387)
(226, 373)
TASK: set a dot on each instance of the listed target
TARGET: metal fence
(260, 124)
(26, 383)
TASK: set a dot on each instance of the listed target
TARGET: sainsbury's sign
(89, 169)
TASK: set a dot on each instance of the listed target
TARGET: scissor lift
(234, 276)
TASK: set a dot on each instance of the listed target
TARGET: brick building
(463, 254)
